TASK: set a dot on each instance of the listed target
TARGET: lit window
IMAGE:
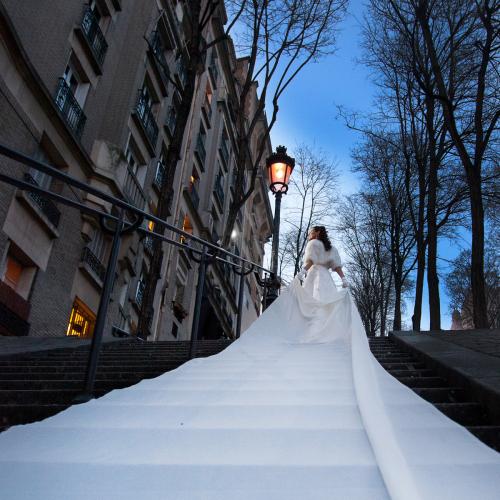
(13, 271)
(81, 321)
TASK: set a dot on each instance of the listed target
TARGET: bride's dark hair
(323, 236)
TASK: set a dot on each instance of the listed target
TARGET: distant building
(85, 87)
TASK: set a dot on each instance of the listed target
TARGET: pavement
(468, 357)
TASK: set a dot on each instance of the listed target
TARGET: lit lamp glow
(279, 169)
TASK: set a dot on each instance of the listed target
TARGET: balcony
(224, 152)
(46, 205)
(139, 292)
(181, 72)
(147, 120)
(213, 71)
(147, 242)
(93, 35)
(133, 190)
(171, 120)
(200, 151)
(195, 197)
(93, 262)
(215, 236)
(158, 50)
(71, 111)
(159, 178)
(219, 192)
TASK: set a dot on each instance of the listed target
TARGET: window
(81, 321)
(13, 271)
(77, 86)
(19, 271)
(186, 227)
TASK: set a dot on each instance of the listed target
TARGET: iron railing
(159, 178)
(139, 292)
(193, 194)
(94, 263)
(158, 49)
(133, 190)
(224, 151)
(219, 192)
(124, 218)
(46, 206)
(70, 109)
(94, 35)
(147, 118)
(200, 151)
(181, 71)
(147, 242)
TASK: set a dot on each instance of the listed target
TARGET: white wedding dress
(297, 408)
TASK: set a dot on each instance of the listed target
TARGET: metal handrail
(119, 203)
(208, 253)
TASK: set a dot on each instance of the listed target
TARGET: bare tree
(310, 200)
(362, 224)
(462, 41)
(279, 39)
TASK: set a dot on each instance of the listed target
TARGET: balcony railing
(139, 292)
(195, 197)
(89, 258)
(170, 120)
(159, 175)
(46, 206)
(213, 70)
(133, 190)
(219, 191)
(93, 35)
(158, 48)
(201, 151)
(148, 244)
(181, 71)
(147, 119)
(224, 151)
(70, 109)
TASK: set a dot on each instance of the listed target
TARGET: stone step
(442, 394)
(423, 382)
(22, 414)
(464, 413)
(488, 434)
(404, 366)
(55, 385)
(104, 363)
(424, 372)
(79, 375)
(42, 397)
(81, 367)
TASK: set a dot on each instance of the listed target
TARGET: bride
(297, 408)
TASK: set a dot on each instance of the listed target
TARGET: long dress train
(295, 409)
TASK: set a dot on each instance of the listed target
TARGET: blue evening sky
(308, 115)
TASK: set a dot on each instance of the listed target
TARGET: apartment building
(87, 88)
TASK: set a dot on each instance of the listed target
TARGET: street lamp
(279, 169)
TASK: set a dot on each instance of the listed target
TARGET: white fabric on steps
(295, 409)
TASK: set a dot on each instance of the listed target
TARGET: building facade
(87, 87)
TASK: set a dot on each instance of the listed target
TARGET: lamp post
(279, 168)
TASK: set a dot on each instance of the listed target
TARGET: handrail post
(197, 306)
(109, 279)
(240, 303)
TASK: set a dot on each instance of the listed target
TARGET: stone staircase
(40, 384)
(455, 402)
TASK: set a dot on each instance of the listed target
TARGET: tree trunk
(479, 305)
(432, 275)
(419, 284)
